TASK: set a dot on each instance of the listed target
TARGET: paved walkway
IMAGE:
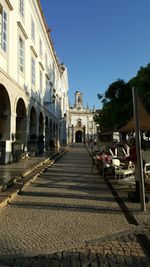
(70, 217)
(11, 171)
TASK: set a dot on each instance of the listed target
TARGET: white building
(82, 127)
(33, 84)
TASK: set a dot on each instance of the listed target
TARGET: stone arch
(21, 121)
(5, 113)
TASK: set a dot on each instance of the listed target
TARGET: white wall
(9, 61)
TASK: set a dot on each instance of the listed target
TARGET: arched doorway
(21, 121)
(33, 124)
(79, 136)
(5, 112)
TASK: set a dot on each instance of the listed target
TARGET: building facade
(82, 127)
(33, 84)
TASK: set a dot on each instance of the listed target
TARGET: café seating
(147, 176)
(121, 171)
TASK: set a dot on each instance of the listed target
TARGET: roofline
(48, 34)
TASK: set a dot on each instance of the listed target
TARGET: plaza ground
(70, 216)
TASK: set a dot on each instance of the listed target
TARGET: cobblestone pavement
(70, 217)
(10, 171)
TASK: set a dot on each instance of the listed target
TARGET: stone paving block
(93, 264)
(19, 262)
(54, 263)
(129, 260)
(102, 260)
(120, 259)
(111, 259)
(75, 260)
(27, 263)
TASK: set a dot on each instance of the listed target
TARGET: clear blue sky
(99, 41)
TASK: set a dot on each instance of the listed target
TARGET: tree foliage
(117, 107)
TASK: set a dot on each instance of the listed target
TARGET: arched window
(79, 99)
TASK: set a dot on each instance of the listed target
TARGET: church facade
(82, 127)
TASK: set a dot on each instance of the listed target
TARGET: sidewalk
(11, 174)
(14, 170)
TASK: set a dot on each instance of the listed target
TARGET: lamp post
(72, 132)
(84, 134)
(62, 129)
(46, 103)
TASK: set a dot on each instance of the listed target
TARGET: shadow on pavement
(82, 257)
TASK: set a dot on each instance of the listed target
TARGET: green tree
(142, 83)
(117, 106)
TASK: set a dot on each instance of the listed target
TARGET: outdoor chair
(147, 176)
(120, 171)
(113, 153)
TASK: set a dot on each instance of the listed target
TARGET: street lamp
(72, 133)
(46, 103)
(53, 99)
(62, 129)
(84, 134)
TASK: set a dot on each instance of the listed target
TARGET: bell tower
(78, 100)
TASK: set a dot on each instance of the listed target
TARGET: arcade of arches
(22, 122)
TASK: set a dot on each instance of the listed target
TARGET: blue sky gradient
(99, 41)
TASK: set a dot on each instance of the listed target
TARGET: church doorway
(79, 136)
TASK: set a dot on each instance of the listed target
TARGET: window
(21, 55)
(21, 8)
(40, 48)
(33, 71)
(3, 29)
(32, 30)
(79, 99)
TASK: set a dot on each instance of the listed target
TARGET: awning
(144, 120)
